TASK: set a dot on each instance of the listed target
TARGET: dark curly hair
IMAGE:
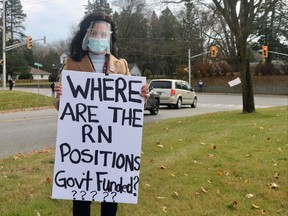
(76, 51)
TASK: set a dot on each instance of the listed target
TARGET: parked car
(174, 92)
(153, 102)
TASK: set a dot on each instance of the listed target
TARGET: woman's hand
(58, 90)
(145, 92)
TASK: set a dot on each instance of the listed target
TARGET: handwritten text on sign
(99, 138)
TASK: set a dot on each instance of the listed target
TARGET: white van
(174, 92)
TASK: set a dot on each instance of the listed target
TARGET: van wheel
(194, 103)
(179, 103)
(154, 110)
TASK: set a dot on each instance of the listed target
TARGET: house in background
(134, 69)
(64, 56)
(38, 74)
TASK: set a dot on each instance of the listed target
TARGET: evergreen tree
(132, 29)
(14, 19)
(171, 41)
(99, 6)
(15, 59)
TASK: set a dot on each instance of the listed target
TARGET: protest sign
(99, 136)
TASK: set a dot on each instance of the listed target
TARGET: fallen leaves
(164, 209)
(209, 181)
(175, 193)
(234, 204)
(161, 167)
(204, 190)
(219, 173)
(173, 174)
(147, 185)
(276, 175)
(48, 180)
(273, 185)
(210, 155)
(255, 206)
(213, 146)
(249, 196)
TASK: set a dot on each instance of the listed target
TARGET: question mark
(74, 193)
(105, 196)
(113, 196)
(84, 193)
(95, 193)
(135, 184)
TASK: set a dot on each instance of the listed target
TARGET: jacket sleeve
(126, 67)
(57, 100)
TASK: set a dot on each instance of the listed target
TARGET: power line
(149, 53)
(43, 2)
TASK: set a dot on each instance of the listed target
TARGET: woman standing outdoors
(93, 50)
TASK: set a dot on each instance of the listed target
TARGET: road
(208, 103)
(27, 131)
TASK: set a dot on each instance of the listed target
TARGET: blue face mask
(97, 45)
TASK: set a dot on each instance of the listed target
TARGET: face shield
(98, 38)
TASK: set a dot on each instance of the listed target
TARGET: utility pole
(189, 66)
(38, 65)
(189, 62)
(4, 45)
(4, 48)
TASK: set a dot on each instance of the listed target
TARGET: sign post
(38, 65)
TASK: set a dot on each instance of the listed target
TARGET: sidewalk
(42, 91)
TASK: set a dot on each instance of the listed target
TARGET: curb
(27, 109)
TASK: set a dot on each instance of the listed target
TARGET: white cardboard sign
(99, 138)
(234, 82)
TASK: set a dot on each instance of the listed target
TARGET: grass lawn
(22, 100)
(224, 163)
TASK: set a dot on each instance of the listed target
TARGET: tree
(48, 55)
(14, 19)
(132, 28)
(16, 60)
(170, 33)
(99, 6)
(243, 17)
(273, 32)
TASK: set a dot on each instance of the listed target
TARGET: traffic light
(29, 42)
(264, 51)
(213, 51)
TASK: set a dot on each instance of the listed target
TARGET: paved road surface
(33, 130)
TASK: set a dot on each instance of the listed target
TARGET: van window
(161, 84)
(178, 85)
(186, 86)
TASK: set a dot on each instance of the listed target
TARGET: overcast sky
(55, 18)
(52, 18)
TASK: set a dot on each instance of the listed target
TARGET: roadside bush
(147, 73)
(52, 78)
(25, 76)
(266, 69)
(224, 68)
(202, 70)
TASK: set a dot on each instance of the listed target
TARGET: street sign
(38, 64)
